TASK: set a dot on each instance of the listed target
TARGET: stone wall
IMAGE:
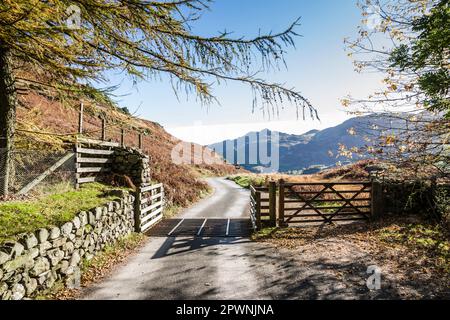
(133, 163)
(39, 260)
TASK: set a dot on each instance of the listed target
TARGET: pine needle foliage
(76, 41)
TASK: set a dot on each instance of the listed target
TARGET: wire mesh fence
(3, 169)
(28, 166)
(38, 166)
(39, 145)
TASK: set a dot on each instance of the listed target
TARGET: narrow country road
(227, 201)
(192, 267)
(199, 261)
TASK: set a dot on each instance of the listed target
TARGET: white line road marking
(173, 230)
(228, 227)
(201, 228)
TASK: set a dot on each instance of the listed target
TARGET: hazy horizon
(208, 134)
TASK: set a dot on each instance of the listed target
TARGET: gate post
(77, 165)
(258, 210)
(272, 203)
(137, 209)
(281, 223)
(377, 199)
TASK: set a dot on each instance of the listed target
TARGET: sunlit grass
(245, 181)
(27, 216)
(432, 238)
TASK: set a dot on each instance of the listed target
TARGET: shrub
(423, 197)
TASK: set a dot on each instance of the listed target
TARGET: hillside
(315, 147)
(57, 122)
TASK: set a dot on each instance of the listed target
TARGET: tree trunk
(8, 101)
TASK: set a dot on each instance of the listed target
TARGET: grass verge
(425, 238)
(245, 181)
(413, 234)
(263, 234)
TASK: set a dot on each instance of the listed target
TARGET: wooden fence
(262, 206)
(149, 206)
(93, 159)
(139, 131)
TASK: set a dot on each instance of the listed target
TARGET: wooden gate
(324, 202)
(93, 159)
(149, 205)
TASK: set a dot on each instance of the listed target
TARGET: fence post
(140, 141)
(122, 137)
(258, 210)
(137, 209)
(376, 199)
(80, 119)
(272, 203)
(103, 129)
(281, 222)
(162, 197)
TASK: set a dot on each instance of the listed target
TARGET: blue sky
(319, 68)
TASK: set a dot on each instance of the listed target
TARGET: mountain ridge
(313, 148)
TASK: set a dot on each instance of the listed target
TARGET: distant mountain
(316, 149)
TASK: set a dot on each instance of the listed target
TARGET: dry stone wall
(38, 260)
(133, 163)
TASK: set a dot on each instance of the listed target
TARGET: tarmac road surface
(205, 253)
(189, 265)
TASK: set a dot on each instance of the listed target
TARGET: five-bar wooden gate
(149, 206)
(324, 202)
(316, 202)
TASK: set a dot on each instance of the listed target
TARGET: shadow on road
(236, 268)
(173, 246)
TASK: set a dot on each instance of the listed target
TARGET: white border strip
(228, 228)
(173, 230)
(201, 228)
